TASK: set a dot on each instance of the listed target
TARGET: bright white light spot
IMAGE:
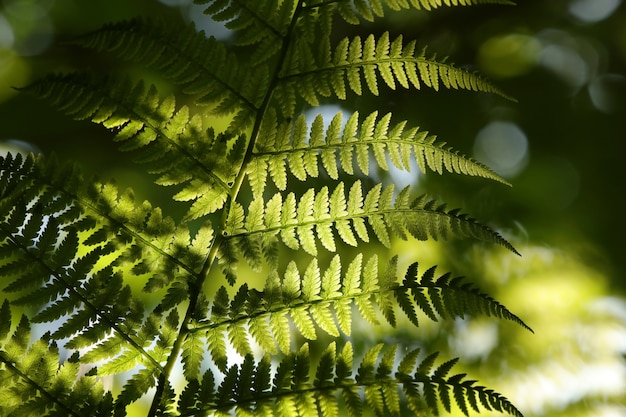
(402, 178)
(503, 147)
(474, 338)
(17, 146)
(212, 28)
(591, 11)
(328, 111)
(556, 385)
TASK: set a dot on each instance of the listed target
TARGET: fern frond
(451, 297)
(101, 218)
(360, 64)
(421, 218)
(92, 305)
(76, 252)
(262, 24)
(202, 66)
(294, 147)
(35, 381)
(323, 299)
(369, 10)
(299, 386)
(172, 143)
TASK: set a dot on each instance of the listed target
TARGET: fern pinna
(76, 252)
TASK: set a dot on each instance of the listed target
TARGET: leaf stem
(53, 398)
(195, 288)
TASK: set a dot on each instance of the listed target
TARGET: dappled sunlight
(576, 353)
(573, 364)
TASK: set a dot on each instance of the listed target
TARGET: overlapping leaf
(299, 387)
(34, 380)
(172, 143)
(70, 249)
(322, 300)
(263, 24)
(54, 240)
(202, 66)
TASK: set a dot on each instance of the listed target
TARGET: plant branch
(196, 287)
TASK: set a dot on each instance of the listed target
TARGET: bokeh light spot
(31, 23)
(574, 59)
(15, 146)
(503, 147)
(591, 11)
(6, 33)
(474, 338)
(565, 62)
(509, 55)
(607, 92)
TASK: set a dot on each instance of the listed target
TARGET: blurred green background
(561, 145)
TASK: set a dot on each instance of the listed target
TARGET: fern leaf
(280, 327)
(373, 58)
(303, 322)
(36, 381)
(304, 216)
(217, 347)
(75, 250)
(369, 10)
(299, 385)
(261, 24)
(421, 218)
(202, 66)
(146, 125)
(97, 298)
(238, 338)
(376, 139)
(193, 353)
(310, 298)
(460, 298)
(261, 331)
